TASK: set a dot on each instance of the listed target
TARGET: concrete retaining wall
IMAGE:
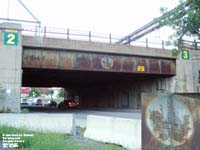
(61, 123)
(125, 132)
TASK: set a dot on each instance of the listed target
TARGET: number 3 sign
(185, 54)
(11, 38)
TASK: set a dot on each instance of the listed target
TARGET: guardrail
(90, 36)
(69, 34)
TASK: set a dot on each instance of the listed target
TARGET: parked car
(37, 102)
(68, 104)
(51, 104)
(72, 103)
(24, 102)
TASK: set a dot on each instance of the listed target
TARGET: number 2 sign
(11, 38)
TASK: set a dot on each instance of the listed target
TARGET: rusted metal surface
(65, 61)
(170, 122)
(50, 59)
(32, 58)
(166, 67)
(71, 60)
(155, 66)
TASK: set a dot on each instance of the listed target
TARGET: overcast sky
(105, 16)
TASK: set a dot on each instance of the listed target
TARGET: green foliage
(185, 19)
(34, 92)
(163, 10)
(50, 92)
(175, 52)
(61, 92)
(24, 110)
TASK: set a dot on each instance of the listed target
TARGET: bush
(24, 110)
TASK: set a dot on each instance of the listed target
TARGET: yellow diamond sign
(140, 68)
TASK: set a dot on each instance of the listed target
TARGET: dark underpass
(97, 89)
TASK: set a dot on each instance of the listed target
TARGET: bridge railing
(194, 45)
(70, 34)
(90, 36)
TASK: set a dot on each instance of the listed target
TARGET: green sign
(185, 54)
(11, 38)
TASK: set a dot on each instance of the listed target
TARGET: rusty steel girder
(170, 122)
(74, 60)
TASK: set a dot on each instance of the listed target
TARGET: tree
(50, 92)
(61, 92)
(34, 92)
(185, 20)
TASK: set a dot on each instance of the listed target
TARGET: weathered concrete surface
(75, 45)
(125, 132)
(187, 77)
(10, 69)
(196, 70)
(61, 123)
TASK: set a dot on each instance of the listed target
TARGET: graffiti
(169, 120)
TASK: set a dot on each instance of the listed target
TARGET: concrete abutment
(10, 67)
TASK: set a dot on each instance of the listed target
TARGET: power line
(36, 20)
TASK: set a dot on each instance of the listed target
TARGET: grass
(55, 141)
(40, 141)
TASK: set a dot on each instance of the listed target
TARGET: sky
(119, 17)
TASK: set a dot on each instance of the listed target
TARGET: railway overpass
(104, 75)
